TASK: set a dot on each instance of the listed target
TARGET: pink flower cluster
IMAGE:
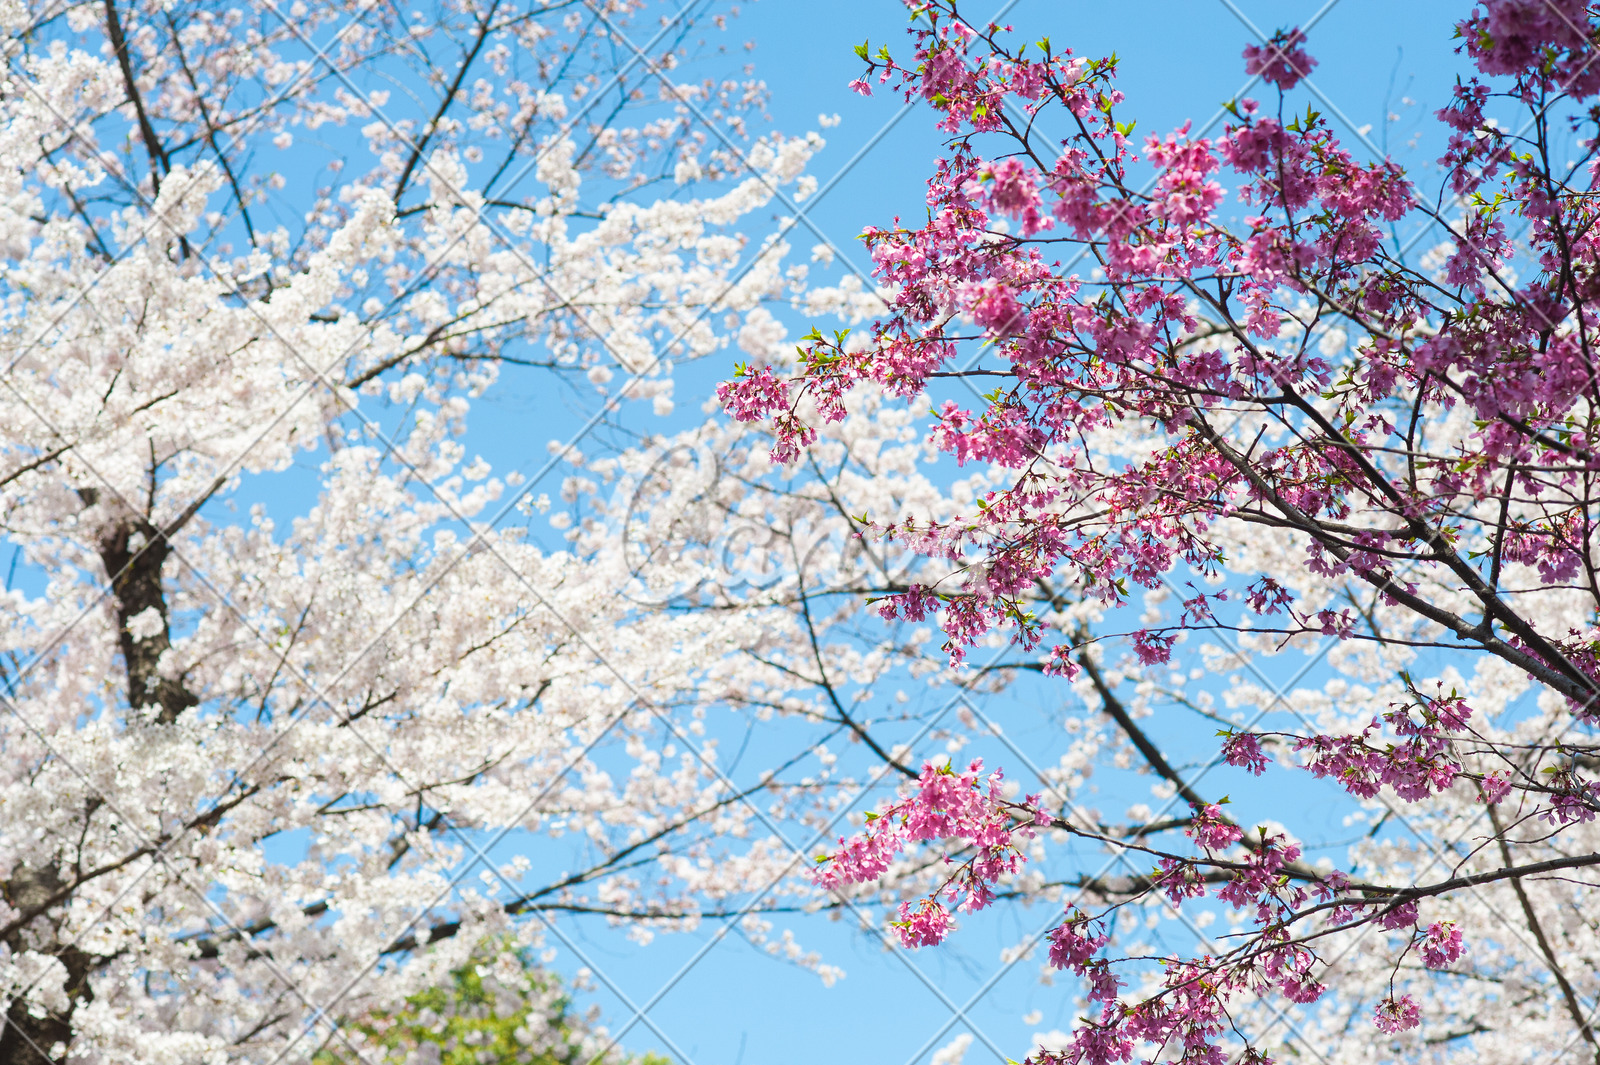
(966, 809)
(757, 395)
(1072, 946)
(1282, 60)
(1540, 43)
(1420, 765)
(1244, 750)
(1397, 1014)
(1441, 944)
(1209, 828)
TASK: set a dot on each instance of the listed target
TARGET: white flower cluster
(250, 744)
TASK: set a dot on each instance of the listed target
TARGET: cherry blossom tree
(290, 691)
(1289, 433)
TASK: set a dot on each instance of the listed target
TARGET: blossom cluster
(966, 810)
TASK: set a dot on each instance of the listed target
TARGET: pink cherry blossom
(1282, 60)
(1212, 830)
(926, 925)
(1441, 944)
(1397, 1014)
(1071, 947)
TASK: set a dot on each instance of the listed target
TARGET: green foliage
(500, 1008)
